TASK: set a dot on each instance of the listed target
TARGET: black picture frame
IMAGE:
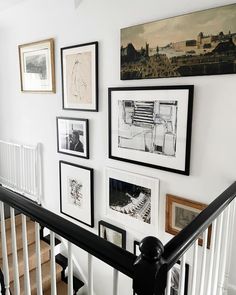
(85, 144)
(95, 98)
(90, 178)
(113, 228)
(189, 112)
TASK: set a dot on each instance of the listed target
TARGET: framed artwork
(112, 234)
(132, 199)
(37, 66)
(175, 274)
(73, 137)
(151, 126)
(180, 212)
(175, 279)
(185, 45)
(76, 192)
(80, 77)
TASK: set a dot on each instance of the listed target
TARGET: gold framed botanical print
(37, 66)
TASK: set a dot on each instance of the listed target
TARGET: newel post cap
(151, 248)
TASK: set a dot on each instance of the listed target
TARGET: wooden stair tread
(18, 220)
(45, 256)
(30, 237)
(46, 279)
(61, 289)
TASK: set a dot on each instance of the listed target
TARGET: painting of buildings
(200, 43)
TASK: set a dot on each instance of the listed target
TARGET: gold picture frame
(180, 212)
(37, 66)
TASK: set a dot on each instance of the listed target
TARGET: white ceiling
(4, 4)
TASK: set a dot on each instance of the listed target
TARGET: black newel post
(150, 271)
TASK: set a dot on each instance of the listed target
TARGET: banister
(111, 254)
(177, 246)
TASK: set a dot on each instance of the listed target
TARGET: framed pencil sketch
(151, 126)
(184, 45)
(80, 77)
(76, 193)
(175, 274)
(180, 212)
(37, 66)
(132, 199)
(73, 137)
(112, 234)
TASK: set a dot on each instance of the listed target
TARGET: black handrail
(111, 254)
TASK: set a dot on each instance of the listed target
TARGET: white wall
(31, 118)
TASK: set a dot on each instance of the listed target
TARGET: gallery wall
(31, 118)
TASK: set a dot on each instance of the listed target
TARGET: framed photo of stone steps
(151, 126)
(132, 200)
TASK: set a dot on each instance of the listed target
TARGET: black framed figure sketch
(79, 65)
(73, 137)
(76, 193)
(151, 126)
(112, 233)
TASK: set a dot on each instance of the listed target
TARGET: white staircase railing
(21, 169)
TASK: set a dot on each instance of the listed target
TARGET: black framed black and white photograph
(136, 248)
(112, 234)
(76, 193)
(73, 137)
(175, 279)
(132, 199)
(151, 126)
(80, 77)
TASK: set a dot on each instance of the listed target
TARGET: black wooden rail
(149, 270)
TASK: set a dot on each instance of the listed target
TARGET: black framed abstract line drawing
(79, 66)
(151, 126)
(132, 200)
(76, 193)
(73, 136)
(176, 277)
(194, 44)
(37, 66)
(112, 234)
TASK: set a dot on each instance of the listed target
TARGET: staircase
(61, 261)
(143, 113)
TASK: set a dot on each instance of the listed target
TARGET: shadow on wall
(77, 3)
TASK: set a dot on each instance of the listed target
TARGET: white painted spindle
(70, 270)
(182, 275)
(90, 274)
(212, 255)
(53, 264)
(27, 290)
(168, 284)
(115, 281)
(217, 255)
(204, 256)
(38, 260)
(4, 250)
(195, 268)
(14, 253)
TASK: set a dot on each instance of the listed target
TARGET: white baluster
(38, 260)
(70, 270)
(212, 254)
(224, 252)
(195, 267)
(90, 274)
(168, 283)
(53, 264)
(204, 255)
(217, 256)
(4, 251)
(182, 275)
(115, 281)
(14, 253)
(26, 257)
